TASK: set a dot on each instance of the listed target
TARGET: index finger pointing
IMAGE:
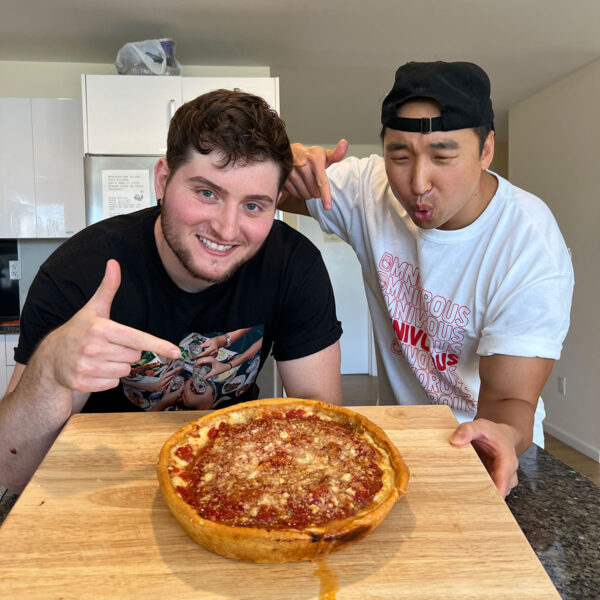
(142, 341)
(324, 190)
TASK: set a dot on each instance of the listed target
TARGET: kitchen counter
(558, 510)
(4, 329)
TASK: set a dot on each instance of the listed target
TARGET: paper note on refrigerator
(124, 191)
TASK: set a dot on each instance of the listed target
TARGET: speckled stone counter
(558, 510)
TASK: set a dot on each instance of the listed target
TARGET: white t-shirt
(440, 299)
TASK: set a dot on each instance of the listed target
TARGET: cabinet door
(3, 367)
(12, 339)
(17, 190)
(58, 160)
(8, 341)
(265, 87)
(128, 114)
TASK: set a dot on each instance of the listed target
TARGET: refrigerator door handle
(171, 108)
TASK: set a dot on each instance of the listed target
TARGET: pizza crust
(260, 545)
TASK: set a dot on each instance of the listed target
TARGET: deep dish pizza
(280, 479)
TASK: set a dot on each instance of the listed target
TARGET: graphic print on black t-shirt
(214, 368)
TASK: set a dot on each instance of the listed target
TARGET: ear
(487, 153)
(161, 174)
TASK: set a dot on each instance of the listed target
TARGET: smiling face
(212, 219)
(439, 178)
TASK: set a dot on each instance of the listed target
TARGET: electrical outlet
(562, 385)
(14, 268)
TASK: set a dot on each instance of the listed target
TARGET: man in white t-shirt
(468, 278)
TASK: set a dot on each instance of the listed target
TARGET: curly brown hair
(241, 126)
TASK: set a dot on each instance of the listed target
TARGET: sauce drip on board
(328, 577)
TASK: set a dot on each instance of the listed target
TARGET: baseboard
(566, 438)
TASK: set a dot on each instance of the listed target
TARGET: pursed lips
(422, 211)
(421, 203)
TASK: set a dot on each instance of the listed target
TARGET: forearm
(509, 393)
(31, 416)
(315, 377)
(517, 414)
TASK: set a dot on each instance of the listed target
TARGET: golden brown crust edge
(263, 546)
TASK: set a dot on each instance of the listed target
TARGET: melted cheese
(279, 472)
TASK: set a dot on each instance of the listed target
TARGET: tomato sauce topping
(283, 470)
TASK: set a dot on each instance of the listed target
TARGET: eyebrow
(221, 190)
(443, 145)
(446, 145)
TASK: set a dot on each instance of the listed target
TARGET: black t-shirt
(280, 300)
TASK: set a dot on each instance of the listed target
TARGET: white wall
(553, 152)
(20, 79)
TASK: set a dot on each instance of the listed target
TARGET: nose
(226, 222)
(420, 177)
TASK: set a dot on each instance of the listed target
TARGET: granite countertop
(558, 510)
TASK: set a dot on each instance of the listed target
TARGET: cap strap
(422, 125)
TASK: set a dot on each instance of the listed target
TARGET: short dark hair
(481, 132)
(242, 126)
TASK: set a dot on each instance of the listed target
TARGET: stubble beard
(186, 257)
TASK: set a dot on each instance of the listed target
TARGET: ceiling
(335, 58)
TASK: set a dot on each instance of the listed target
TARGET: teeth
(212, 246)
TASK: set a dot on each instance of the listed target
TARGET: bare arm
(316, 377)
(503, 427)
(88, 353)
(32, 413)
(308, 178)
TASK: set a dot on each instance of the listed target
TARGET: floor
(359, 390)
(362, 390)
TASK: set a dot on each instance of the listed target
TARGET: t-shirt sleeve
(48, 305)
(528, 314)
(62, 286)
(308, 323)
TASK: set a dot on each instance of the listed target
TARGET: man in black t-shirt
(177, 306)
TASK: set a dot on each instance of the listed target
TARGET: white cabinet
(265, 87)
(12, 340)
(3, 381)
(58, 162)
(41, 168)
(7, 366)
(17, 185)
(129, 114)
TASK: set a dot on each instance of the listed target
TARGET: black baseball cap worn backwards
(462, 89)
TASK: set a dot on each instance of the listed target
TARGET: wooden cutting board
(92, 524)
